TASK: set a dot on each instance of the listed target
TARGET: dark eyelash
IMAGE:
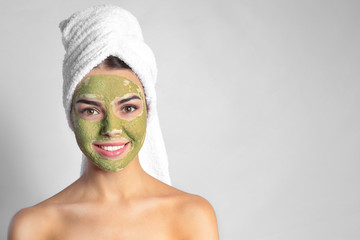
(135, 107)
(86, 109)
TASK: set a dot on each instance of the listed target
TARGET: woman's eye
(128, 109)
(89, 111)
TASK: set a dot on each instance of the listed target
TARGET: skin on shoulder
(31, 223)
(115, 198)
(197, 218)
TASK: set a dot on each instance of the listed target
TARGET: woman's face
(109, 117)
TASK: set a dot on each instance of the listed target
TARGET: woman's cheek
(136, 130)
(86, 132)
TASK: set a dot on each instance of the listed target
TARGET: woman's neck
(125, 184)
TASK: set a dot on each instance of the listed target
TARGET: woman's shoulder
(183, 199)
(193, 214)
(189, 202)
(194, 208)
(32, 222)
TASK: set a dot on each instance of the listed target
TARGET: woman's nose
(111, 126)
(113, 133)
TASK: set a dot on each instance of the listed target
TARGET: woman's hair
(113, 62)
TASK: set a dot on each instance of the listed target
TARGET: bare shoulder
(195, 216)
(31, 223)
(40, 221)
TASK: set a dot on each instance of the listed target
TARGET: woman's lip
(111, 153)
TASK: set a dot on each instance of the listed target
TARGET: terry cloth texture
(91, 35)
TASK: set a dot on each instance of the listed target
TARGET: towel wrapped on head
(90, 36)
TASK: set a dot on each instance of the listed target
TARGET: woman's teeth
(111, 148)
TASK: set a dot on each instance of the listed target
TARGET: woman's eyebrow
(127, 99)
(88, 102)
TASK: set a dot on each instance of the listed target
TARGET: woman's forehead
(126, 73)
(108, 86)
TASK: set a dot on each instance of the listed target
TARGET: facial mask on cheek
(93, 137)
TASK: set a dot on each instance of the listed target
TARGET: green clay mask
(109, 117)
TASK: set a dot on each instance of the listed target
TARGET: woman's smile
(112, 150)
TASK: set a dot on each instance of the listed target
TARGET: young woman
(114, 198)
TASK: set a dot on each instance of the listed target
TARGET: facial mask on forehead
(109, 117)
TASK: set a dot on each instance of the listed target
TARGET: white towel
(91, 35)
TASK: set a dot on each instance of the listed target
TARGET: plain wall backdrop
(258, 102)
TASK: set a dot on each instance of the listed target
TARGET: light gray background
(258, 103)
